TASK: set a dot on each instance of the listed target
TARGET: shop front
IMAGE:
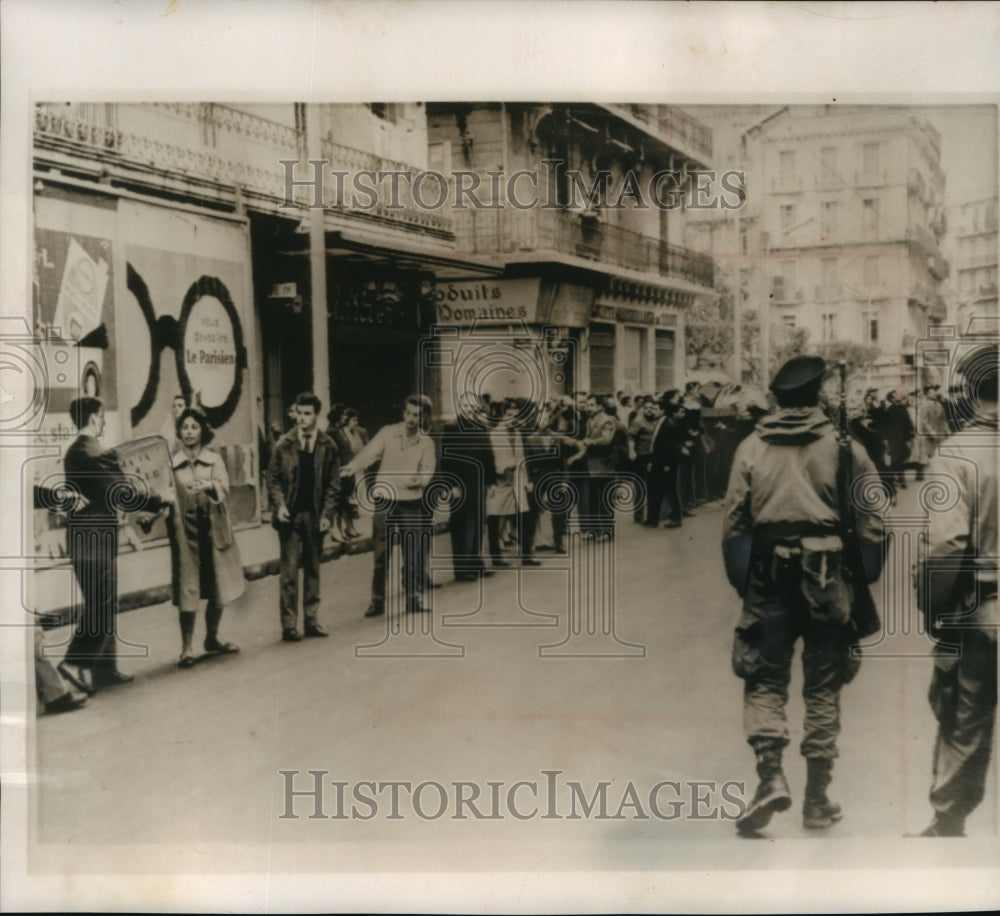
(378, 314)
(634, 348)
(506, 338)
(139, 303)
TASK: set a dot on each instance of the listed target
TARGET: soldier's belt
(770, 533)
(821, 555)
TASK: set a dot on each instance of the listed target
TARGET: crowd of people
(512, 472)
(506, 465)
(901, 431)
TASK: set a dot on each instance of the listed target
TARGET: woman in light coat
(205, 558)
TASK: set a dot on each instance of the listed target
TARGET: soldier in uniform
(961, 602)
(783, 550)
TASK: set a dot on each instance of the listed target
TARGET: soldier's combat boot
(772, 793)
(817, 810)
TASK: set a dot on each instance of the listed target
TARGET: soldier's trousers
(778, 609)
(963, 695)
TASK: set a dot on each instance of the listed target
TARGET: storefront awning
(403, 257)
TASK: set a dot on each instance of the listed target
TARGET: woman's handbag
(222, 529)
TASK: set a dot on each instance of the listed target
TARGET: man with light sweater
(408, 460)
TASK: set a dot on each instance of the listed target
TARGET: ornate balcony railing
(203, 139)
(230, 146)
(510, 231)
(672, 126)
(676, 123)
(88, 125)
(393, 198)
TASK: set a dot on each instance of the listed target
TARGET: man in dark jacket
(898, 429)
(94, 474)
(467, 462)
(784, 555)
(663, 465)
(303, 482)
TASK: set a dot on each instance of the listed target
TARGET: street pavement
(500, 683)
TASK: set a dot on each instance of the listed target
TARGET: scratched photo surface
(499, 486)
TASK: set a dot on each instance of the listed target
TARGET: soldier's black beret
(798, 372)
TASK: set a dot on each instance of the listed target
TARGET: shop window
(602, 358)
(665, 356)
(635, 356)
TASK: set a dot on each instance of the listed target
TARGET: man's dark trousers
(301, 547)
(93, 547)
(410, 521)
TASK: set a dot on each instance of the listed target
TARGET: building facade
(973, 237)
(594, 279)
(194, 249)
(841, 234)
(239, 254)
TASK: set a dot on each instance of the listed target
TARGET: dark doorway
(374, 376)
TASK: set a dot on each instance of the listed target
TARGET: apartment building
(598, 283)
(841, 234)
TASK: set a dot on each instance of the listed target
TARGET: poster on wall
(73, 318)
(184, 314)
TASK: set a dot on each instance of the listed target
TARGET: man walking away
(784, 555)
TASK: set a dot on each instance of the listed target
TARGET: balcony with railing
(922, 237)
(828, 292)
(202, 140)
(785, 292)
(671, 126)
(512, 232)
(676, 124)
(65, 124)
(394, 198)
(228, 146)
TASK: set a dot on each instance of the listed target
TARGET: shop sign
(373, 304)
(484, 302)
(634, 316)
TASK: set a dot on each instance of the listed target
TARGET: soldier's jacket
(784, 479)
(969, 525)
(783, 491)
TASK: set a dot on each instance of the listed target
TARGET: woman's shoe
(215, 647)
(187, 661)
